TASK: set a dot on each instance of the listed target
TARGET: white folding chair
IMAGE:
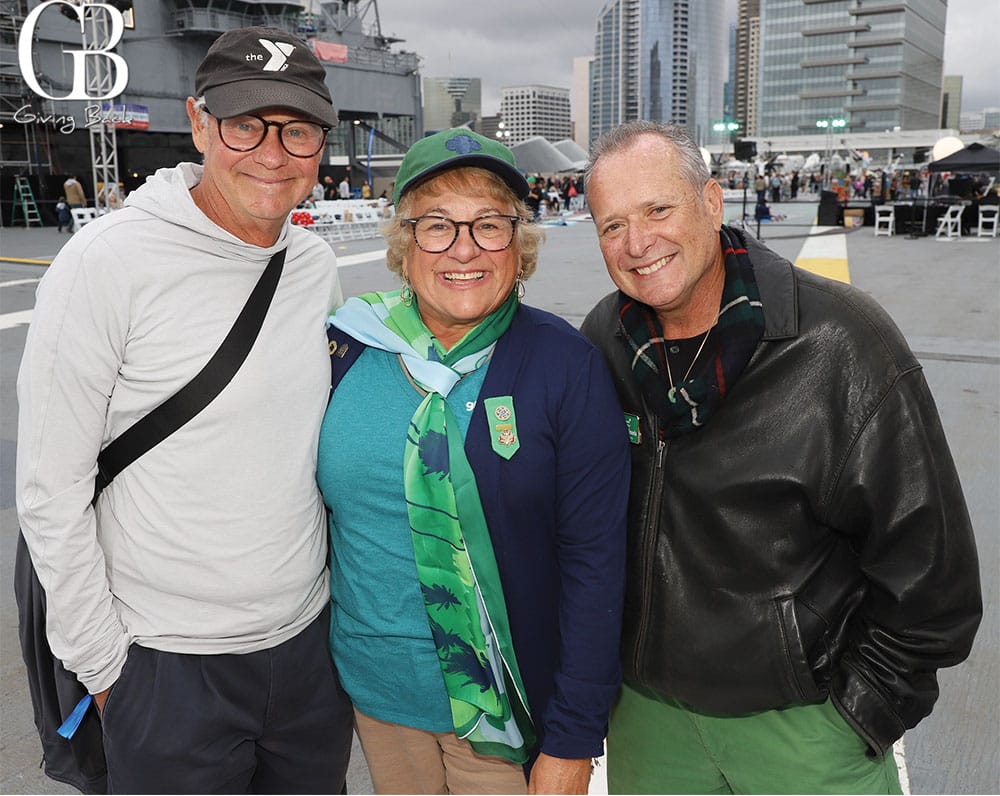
(885, 220)
(987, 221)
(82, 216)
(950, 224)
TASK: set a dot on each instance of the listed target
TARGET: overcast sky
(517, 42)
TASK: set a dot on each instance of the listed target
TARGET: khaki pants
(405, 760)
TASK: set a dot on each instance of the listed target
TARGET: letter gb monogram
(79, 91)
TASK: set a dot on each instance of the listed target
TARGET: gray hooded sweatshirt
(213, 541)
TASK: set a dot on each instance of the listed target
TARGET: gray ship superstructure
(375, 87)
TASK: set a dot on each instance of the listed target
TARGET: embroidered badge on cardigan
(503, 425)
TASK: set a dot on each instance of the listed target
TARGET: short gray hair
(690, 163)
(202, 110)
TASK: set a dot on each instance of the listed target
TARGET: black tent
(974, 159)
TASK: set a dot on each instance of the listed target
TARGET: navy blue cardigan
(556, 513)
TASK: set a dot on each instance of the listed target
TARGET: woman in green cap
(474, 460)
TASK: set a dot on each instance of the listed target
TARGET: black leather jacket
(812, 539)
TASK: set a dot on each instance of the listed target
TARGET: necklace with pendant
(672, 393)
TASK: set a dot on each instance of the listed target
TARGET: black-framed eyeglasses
(436, 234)
(300, 139)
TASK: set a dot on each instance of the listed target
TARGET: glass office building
(451, 102)
(874, 63)
(614, 96)
(662, 60)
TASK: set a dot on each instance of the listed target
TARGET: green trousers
(655, 745)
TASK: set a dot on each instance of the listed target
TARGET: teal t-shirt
(379, 635)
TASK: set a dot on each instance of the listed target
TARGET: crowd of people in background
(555, 194)
(778, 186)
(550, 195)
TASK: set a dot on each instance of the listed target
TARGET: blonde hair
(465, 181)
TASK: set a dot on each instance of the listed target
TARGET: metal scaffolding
(103, 137)
(24, 145)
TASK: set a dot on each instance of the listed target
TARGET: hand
(100, 698)
(558, 775)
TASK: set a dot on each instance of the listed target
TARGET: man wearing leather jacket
(801, 560)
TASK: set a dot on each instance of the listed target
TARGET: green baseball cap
(455, 149)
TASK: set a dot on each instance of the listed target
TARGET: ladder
(24, 200)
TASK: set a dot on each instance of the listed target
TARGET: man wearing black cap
(192, 599)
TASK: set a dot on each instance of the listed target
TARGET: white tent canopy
(538, 156)
(572, 150)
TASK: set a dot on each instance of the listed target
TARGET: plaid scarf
(689, 404)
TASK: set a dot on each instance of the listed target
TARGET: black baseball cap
(249, 69)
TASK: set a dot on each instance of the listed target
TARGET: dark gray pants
(274, 721)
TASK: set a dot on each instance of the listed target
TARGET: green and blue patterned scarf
(456, 565)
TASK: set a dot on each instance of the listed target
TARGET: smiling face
(659, 234)
(250, 194)
(456, 289)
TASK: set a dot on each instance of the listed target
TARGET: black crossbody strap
(198, 393)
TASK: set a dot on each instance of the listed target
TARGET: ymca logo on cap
(279, 52)
(248, 69)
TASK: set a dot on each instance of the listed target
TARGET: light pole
(828, 126)
(503, 134)
(727, 127)
(731, 128)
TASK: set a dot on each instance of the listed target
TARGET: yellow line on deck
(830, 267)
(825, 254)
(23, 260)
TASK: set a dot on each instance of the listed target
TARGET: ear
(714, 201)
(199, 134)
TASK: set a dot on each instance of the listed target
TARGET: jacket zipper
(648, 545)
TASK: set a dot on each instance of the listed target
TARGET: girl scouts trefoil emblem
(503, 425)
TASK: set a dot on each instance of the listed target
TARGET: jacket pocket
(815, 621)
(802, 685)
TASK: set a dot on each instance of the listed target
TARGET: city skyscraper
(727, 95)
(580, 100)
(876, 65)
(951, 101)
(451, 102)
(614, 96)
(662, 60)
(535, 110)
(747, 65)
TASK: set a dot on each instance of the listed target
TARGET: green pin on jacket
(503, 425)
